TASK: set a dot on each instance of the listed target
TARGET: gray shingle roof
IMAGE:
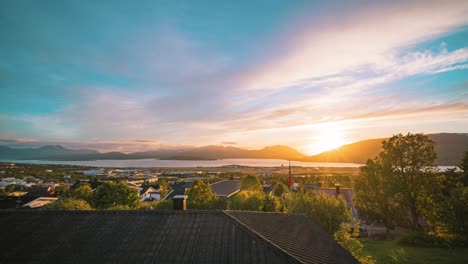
(226, 188)
(162, 237)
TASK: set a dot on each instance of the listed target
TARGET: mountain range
(449, 147)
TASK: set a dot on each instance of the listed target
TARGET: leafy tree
(163, 188)
(61, 190)
(328, 212)
(82, 192)
(115, 195)
(280, 189)
(374, 197)
(2, 193)
(200, 196)
(402, 172)
(69, 204)
(464, 168)
(250, 183)
(248, 201)
(347, 237)
(271, 203)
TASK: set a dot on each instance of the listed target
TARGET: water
(145, 163)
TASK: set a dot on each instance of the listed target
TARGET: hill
(448, 146)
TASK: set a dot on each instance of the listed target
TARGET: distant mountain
(200, 153)
(449, 147)
(45, 152)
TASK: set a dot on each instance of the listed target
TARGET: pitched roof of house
(226, 188)
(164, 237)
(346, 194)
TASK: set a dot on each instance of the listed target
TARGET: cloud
(366, 36)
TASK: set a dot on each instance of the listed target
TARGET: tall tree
(200, 196)
(82, 192)
(403, 170)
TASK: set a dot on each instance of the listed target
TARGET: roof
(226, 188)
(146, 188)
(40, 202)
(164, 237)
(346, 194)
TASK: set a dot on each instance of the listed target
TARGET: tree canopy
(250, 183)
(115, 195)
(395, 182)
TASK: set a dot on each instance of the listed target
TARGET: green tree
(60, 190)
(271, 203)
(69, 204)
(201, 197)
(347, 237)
(81, 192)
(250, 183)
(328, 212)
(163, 188)
(115, 195)
(402, 172)
(248, 201)
(280, 189)
(464, 168)
(374, 197)
(2, 193)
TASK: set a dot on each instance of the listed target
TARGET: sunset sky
(138, 75)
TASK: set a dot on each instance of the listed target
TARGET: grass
(388, 251)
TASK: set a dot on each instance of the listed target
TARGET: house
(148, 193)
(165, 237)
(226, 188)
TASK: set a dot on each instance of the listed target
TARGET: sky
(132, 76)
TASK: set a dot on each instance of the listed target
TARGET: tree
(347, 237)
(61, 190)
(162, 205)
(250, 183)
(82, 192)
(115, 195)
(374, 198)
(69, 204)
(200, 196)
(248, 201)
(328, 212)
(402, 172)
(2, 193)
(464, 168)
(271, 203)
(280, 189)
(163, 188)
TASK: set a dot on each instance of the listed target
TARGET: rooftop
(226, 188)
(164, 237)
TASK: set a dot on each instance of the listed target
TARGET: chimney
(179, 202)
(337, 187)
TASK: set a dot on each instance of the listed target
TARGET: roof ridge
(266, 240)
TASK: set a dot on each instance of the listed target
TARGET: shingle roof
(226, 188)
(163, 237)
(296, 235)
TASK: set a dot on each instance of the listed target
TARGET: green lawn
(388, 251)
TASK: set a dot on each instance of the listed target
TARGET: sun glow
(328, 139)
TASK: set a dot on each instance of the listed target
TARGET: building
(165, 237)
(226, 188)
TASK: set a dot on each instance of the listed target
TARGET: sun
(326, 140)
